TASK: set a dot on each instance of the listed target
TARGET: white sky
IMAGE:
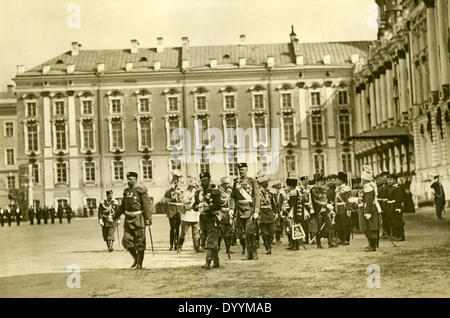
(33, 31)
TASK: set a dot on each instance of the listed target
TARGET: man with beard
(207, 201)
(137, 208)
(246, 198)
(106, 211)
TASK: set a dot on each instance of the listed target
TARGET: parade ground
(34, 262)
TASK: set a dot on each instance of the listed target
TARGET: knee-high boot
(133, 253)
(208, 259)
(139, 259)
(215, 258)
(242, 241)
(171, 238)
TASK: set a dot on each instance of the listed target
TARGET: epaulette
(141, 189)
(368, 187)
(346, 188)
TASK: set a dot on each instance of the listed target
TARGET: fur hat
(366, 173)
(342, 176)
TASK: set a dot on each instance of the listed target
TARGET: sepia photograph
(224, 149)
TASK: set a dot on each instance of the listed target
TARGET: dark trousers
(53, 220)
(45, 221)
(60, 220)
(18, 222)
(203, 229)
(68, 220)
(2, 222)
(439, 209)
(39, 221)
(9, 222)
(343, 227)
(31, 221)
(175, 222)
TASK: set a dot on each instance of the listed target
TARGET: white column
(383, 95)
(48, 178)
(364, 120)
(373, 112)
(330, 117)
(357, 111)
(75, 170)
(389, 95)
(397, 159)
(432, 52)
(443, 44)
(378, 101)
(403, 85)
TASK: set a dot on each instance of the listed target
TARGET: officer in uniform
(31, 215)
(343, 209)
(207, 202)
(60, 213)
(190, 218)
(295, 213)
(9, 215)
(383, 190)
(137, 208)
(68, 211)
(52, 214)
(18, 216)
(45, 215)
(371, 220)
(305, 199)
(267, 224)
(439, 196)
(38, 215)
(246, 198)
(277, 204)
(175, 208)
(396, 199)
(106, 211)
(2, 217)
(323, 211)
(226, 213)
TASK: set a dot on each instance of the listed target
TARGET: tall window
(230, 131)
(89, 171)
(173, 104)
(346, 162)
(116, 105)
(88, 135)
(175, 165)
(61, 172)
(233, 165)
(31, 109)
(32, 135)
(230, 102)
(342, 97)
(201, 102)
(91, 203)
(315, 99)
(146, 134)
(9, 129)
(147, 172)
(258, 100)
(117, 136)
(319, 162)
(202, 126)
(286, 100)
(317, 127)
(59, 108)
(291, 167)
(289, 129)
(144, 103)
(173, 124)
(260, 130)
(10, 160)
(344, 126)
(87, 107)
(204, 167)
(60, 129)
(11, 182)
(35, 173)
(118, 170)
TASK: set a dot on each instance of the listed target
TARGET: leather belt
(341, 203)
(391, 201)
(244, 201)
(176, 203)
(133, 213)
(265, 206)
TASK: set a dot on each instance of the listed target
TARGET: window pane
(344, 126)
(259, 101)
(9, 129)
(118, 171)
(61, 172)
(88, 135)
(87, 107)
(173, 124)
(32, 138)
(117, 140)
(286, 100)
(60, 136)
(35, 172)
(11, 182)
(230, 130)
(146, 139)
(116, 105)
(147, 173)
(290, 165)
(145, 105)
(317, 128)
(229, 102)
(260, 129)
(288, 126)
(31, 109)
(59, 108)
(173, 104)
(315, 99)
(10, 157)
(201, 102)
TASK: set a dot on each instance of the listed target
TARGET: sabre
(118, 234)
(151, 239)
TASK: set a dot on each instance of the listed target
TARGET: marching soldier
(267, 225)
(38, 215)
(371, 219)
(323, 212)
(277, 204)
(18, 216)
(343, 209)
(52, 214)
(226, 214)
(106, 211)
(207, 201)
(138, 214)
(246, 197)
(60, 213)
(190, 218)
(396, 200)
(31, 215)
(45, 215)
(2, 217)
(175, 208)
(68, 211)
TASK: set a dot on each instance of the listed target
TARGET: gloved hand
(349, 213)
(100, 221)
(255, 215)
(118, 222)
(148, 222)
(368, 216)
(329, 206)
(306, 214)
(398, 210)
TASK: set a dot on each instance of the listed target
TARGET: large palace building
(402, 95)
(86, 117)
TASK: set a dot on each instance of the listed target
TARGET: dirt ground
(34, 259)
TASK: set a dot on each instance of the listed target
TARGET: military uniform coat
(208, 202)
(106, 211)
(369, 207)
